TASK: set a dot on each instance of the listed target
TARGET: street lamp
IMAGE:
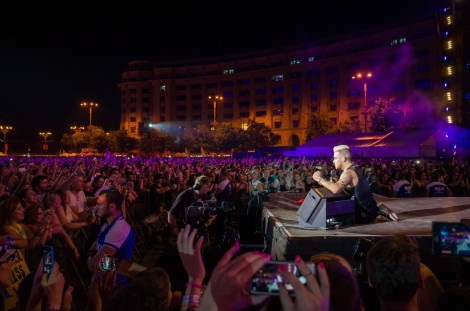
(5, 130)
(77, 129)
(90, 105)
(45, 135)
(215, 98)
(360, 76)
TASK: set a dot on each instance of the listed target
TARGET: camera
(108, 263)
(450, 239)
(265, 281)
(198, 214)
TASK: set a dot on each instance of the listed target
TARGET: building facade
(413, 66)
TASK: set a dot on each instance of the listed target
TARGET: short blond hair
(340, 147)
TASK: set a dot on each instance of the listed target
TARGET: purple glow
(447, 108)
(447, 136)
(445, 57)
(446, 33)
(445, 84)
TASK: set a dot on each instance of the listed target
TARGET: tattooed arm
(346, 178)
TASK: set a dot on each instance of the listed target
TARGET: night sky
(53, 56)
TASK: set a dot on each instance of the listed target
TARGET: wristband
(194, 284)
(190, 298)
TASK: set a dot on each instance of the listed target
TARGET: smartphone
(265, 281)
(48, 259)
(450, 239)
(108, 263)
(22, 169)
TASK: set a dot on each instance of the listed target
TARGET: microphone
(332, 175)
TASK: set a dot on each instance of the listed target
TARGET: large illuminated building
(414, 65)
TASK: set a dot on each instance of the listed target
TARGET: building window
(132, 119)
(228, 105)
(314, 73)
(181, 118)
(228, 71)
(244, 82)
(146, 109)
(277, 125)
(354, 106)
(295, 88)
(278, 100)
(181, 97)
(196, 107)
(133, 100)
(260, 113)
(180, 108)
(244, 104)
(353, 92)
(278, 89)
(277, 112)
(245, 93)
(133, 130)
(261, 91)
(162, 88)
(423, 84)
(278, 78)
(196, 96)
(295, 75)
(196, 118)
(332, 69)
(133, 109)
(295, 110)
(314, 108)
(314, 97)
(244, 126)
(333, 95)
(180, 87)
(333, 83)
(295, 124)
(244, 114)
(227, 83)
(295, 62)
(145, 100)
(295, 99)
(195, 86)
(314, 85)
(228, 116)
(260, 102)
(332, 107)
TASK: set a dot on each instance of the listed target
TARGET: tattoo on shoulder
(345, 179)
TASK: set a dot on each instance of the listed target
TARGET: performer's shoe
(385, 212)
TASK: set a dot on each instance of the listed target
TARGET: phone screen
(265, 281)
(450, 239)
(48, 258)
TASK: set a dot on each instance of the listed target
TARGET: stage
(285, 239)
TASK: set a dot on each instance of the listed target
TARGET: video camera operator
(198, 195)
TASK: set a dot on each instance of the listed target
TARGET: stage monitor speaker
(321, 204)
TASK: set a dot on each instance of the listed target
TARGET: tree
(119, 141)
(226, 137)
(385, 116)
(257, 135)
(319, 124)
(156, 142)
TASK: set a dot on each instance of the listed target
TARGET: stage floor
(285, 239)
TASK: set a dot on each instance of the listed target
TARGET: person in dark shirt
(354, 183)
(436, 188)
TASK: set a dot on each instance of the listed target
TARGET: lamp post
(77, 129)
(90, 105)
(215, 98)
(45, 135)
(5, 130)
(360, 76)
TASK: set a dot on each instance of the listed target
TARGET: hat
(340, 147)
(5, 253)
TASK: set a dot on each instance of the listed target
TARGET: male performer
(353, 183)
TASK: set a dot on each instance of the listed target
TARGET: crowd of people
(79, 207)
